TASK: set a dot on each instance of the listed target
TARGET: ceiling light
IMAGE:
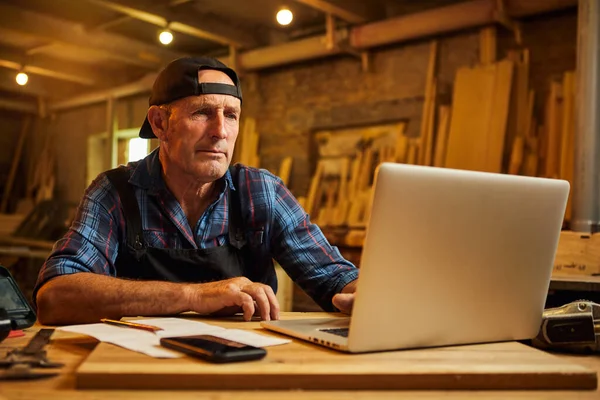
(284, 16)
(22, 78)
(165, 37)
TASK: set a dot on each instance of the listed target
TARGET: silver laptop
(450, 257)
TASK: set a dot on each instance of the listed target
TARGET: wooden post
(111, 145)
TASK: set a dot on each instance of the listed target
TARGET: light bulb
(165, 37)
(284, 16)
(22, 78)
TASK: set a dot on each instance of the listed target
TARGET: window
(138, 149)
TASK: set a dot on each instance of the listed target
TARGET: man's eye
(232, 116)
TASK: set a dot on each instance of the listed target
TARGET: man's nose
(218, 126)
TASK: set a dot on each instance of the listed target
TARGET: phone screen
(213, 348)
(9, 297)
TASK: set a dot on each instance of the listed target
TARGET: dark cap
(179, 79)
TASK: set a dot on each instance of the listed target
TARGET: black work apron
(136, 260)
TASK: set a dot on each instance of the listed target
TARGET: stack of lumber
(247, 152)
(340, 192)
(491, 125)
(557, 152)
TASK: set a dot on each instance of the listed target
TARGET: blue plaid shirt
(93, 240)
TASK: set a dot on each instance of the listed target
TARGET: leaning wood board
(479, 116)
(302, 365)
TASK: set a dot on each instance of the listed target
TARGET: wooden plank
(567, 147)
(518, 110)
(428, 149)
(15, 163)
(249, 143)
(499, 116)
(355, 175)
(428, 104)
(284, 170)
(471, 113)
(314, 186)
(577, 253)
(366, 170)
(343, 203)
(413, 149)
(302, 365)
(532, 159)
(401, 146)
(553, 124)
(442, 136)
(479, 115)
(516, 159)
(487, 45)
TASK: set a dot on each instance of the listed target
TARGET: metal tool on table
(19, 363)
(17, 314)
(573, 327)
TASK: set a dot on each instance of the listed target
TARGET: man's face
(202, 131)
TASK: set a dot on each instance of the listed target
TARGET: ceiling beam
(34, 87)
(353, 13)
(182, 23)
(175, 3)
(100, 27)
(38, 87)
(28, 107)
(112, 46)
(49, 67)
(140, 86)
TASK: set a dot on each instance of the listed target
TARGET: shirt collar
(147, 174)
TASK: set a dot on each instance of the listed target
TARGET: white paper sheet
(149, 343)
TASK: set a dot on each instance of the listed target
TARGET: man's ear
(159, 120)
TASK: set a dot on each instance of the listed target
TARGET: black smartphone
(213, 349)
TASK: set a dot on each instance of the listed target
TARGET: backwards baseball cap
(179, 79)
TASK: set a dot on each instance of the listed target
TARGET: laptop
(450, 257)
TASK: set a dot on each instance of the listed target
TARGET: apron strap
(119, 177)
(237, 228)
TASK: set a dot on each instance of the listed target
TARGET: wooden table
(73, 350)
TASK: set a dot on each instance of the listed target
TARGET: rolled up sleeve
(91, 243)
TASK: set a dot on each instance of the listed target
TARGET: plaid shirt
(93, 240)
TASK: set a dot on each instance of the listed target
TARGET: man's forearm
(87, 297)
(350, 287)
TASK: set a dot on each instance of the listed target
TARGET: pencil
(129, 324)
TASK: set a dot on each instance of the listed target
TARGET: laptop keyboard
(337, 331)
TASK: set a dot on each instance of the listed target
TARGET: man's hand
(344, 300)
(231, 295)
